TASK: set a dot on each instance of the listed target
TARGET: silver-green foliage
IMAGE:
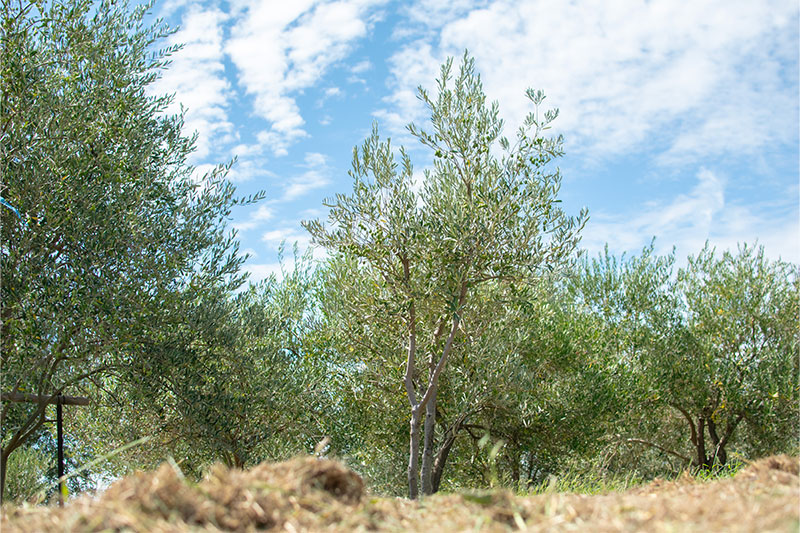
(114, 225)
(711, 349)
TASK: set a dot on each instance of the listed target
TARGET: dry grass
(307, 494)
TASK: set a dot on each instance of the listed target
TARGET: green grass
(718, 472)
(586, 483)
(592, 482)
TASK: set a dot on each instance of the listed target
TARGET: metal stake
(59, 400)
(60, 431)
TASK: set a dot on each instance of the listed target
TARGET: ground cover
(309, 494)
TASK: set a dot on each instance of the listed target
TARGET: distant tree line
(455, 336)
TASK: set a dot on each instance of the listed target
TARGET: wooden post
(59, 400)
(24, 397)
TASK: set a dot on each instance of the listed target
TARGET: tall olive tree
(112, 224)
(487, 212)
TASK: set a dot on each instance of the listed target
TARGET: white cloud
(261, 271)
(199, 172)
(312, 213)
(169, 7)
(247, 150)
(288, 235)
(426, 17)
(197, 77)
(305, 182)
(315, 159)
(689, 219)
(263, 213)
(315, 177)
(704, 76)
(413, 66)
(361, 66)
(281, 48)
(244, 226)
(256, 219)
(358, 69)
(249, 168)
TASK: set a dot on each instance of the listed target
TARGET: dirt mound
(308, 494)
(311, 491)
(764, 497)
(780, 469)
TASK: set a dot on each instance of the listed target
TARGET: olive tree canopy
(109, 220)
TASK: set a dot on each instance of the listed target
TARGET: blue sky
(680, 117)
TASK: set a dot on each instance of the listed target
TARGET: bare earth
(307, 494)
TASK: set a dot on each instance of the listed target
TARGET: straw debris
(309, 494)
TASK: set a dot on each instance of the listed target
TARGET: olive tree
(710, 346)
(487, 212)
(741, 312)
(109, 223)
(234, 380)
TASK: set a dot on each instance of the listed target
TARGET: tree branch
(447, 347)
(729, 430)
(665, 450)
(688, 419)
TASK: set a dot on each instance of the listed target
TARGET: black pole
(60, 451)
(59, 400)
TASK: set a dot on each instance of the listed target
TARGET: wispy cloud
(256, 219)
(290, 235)
(261, 271)
(263, 213)
(412, 66)
(315, 176)
(361, 66)
(282, 48)
(197, 77)
(687, 220)
(704, 77)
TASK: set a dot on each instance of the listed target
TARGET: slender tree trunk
(441, 460)
(448, 440)
(719, 450)
(702, 459)
(428, 443)
(531, 470)
(238, 461)
(729, 429)
(720, 453)
(413, 458)
(31, 425)
(428, 397)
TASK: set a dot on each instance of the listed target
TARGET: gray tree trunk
(413, 459)
(428, 443)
